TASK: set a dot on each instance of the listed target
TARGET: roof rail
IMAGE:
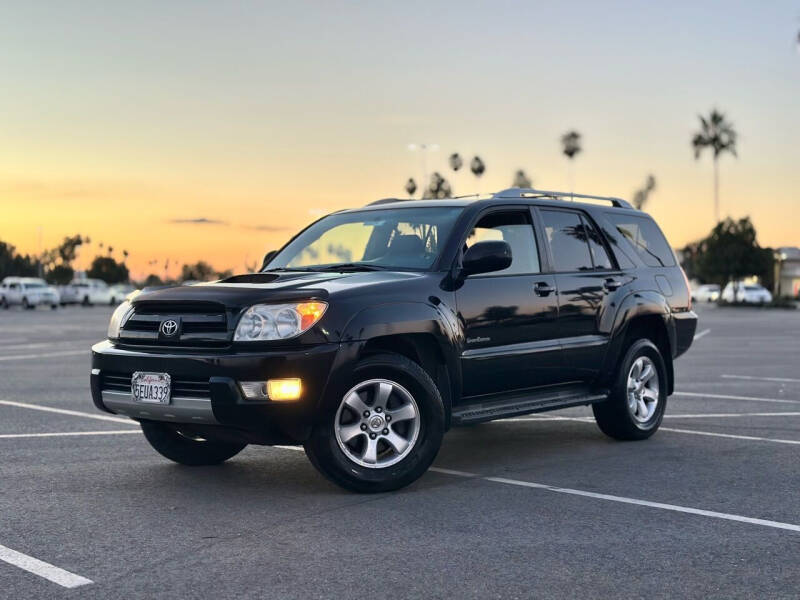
(531, 193)
(387, 201)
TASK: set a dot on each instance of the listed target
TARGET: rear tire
(4, 303)
(167, 440)
(638, 399)
(392, 436)
(86, 301)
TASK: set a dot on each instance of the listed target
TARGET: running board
(523, 404)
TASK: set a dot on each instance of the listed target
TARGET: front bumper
(210, 394)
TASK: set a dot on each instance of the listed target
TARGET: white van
(28, 292)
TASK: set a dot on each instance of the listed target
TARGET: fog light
(283, 389)
(254, 390)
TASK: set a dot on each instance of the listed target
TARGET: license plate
(150, 387)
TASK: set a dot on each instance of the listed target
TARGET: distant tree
(438, 187)
(731, 253)
(718, 134)
(455, 161)
(60, 274)
(521, 180)
(477, 166)
(152, 280)
(109, 270)
(125, 255)
(199, 271)
(14, 264)
(642, 195)
(411, 187)
(224, 274)
(571, 147)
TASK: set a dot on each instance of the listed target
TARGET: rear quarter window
(645, 237)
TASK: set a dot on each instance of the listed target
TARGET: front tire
(185, 449)
(384, 432)
(638, 399)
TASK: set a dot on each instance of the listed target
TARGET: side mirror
(486, 257)
(268, 257)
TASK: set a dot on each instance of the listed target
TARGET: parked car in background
(750, 293)
(69, 294)
(92, 291)
(706, 293)
(120, 291)
(28, 292)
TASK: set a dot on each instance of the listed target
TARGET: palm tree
(521, 180)
(411, 187)
(477, 166)
(571, 145)
(641, 195)
(718, 134)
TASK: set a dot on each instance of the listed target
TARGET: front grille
(201, 324)
(180, 387)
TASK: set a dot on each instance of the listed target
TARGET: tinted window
(645, 237)
(568, 240)
(514, 228)
(599, 254)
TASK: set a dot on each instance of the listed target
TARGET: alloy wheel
(643, 389)
(377, 423)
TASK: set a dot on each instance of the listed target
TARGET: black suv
(375, 330)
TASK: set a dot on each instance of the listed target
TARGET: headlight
(264, 322)
(119, 317)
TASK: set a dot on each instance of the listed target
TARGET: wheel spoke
(642, 409)
(404, 413)
(647, 373)
(636, 369)
(382, 393)
(348, 432)
(395, 441)
(355, 402)
(370, 452)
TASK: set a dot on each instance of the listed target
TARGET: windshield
(392, 238)
(33, 284)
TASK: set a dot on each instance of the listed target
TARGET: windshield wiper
(287, 269)
(345, 267)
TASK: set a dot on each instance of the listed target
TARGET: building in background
(787, 272)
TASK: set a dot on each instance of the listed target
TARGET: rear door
(509, 316)
(585, 277)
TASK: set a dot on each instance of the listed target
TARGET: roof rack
(531, 193)
(388, 200)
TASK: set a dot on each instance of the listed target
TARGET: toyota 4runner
(375, 330)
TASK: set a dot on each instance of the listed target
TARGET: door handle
(612, 284)
(543, 289)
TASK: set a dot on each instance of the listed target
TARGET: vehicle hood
(289, 286)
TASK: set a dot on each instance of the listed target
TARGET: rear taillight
(688, 288)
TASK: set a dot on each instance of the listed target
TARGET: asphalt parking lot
(538, 506)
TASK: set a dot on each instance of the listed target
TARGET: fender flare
(398, 318)
(634, 305)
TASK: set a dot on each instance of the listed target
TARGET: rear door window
(646, 238)
(568, 240)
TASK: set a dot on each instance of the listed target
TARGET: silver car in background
(28, 292)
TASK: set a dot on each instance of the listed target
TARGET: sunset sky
(214, 130)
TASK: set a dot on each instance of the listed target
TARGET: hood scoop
(252, 278)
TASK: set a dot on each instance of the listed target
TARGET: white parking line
(11, 436)
(751, 378)
(42, 569)
(727, 397)
(705, 332)
(86, 352)
(624, 500)
(64, 411)
(732, 415)
(730, 435)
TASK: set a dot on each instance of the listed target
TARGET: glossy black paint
(479, 336)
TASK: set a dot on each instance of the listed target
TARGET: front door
(509, 316)
(585, 277)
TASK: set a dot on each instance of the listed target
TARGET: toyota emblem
(169, 327)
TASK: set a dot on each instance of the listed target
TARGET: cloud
(197, 221)
(266, 227)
